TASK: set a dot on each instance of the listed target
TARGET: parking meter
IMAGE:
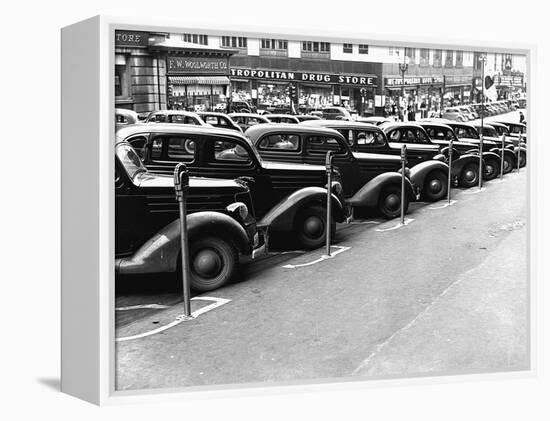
(451, 146)
(403, 163)
(502, 157)
(181, 184)
(328, 167)
(480, 170)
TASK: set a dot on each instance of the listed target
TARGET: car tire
(435, 186)
(389, 202)
(310, 227)
(492, 169)
(508, 164)
(522, 159)
(212, 263)
(469, 176)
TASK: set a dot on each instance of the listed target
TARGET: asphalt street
(444, 294)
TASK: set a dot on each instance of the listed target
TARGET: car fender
(507, 152)
(459, 163)
(161, 252)
(491, 155)
(419, 172)
(281, 216)
(367, 196)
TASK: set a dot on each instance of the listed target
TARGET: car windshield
(130, 160)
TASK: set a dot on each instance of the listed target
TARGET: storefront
(458, 90)
(308, 91)
(509, 86)
(422, 93)
(154, 72)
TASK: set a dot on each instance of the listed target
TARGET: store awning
(198, 80)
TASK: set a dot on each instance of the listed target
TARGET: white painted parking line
(364, 222)
(292, 252)
(475, 191)
(340, 249)
(445, 205)
(140, 306)
(181, 318)
(399, 225)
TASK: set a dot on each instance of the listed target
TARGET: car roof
(397, 124)
(201, 113)
(172, 128)
(280, 115)
(341, 123)
(434, 124)
(178, 112)
(254, 132)
(246, 115)
(496, 124)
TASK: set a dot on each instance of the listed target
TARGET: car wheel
(522, 159)
(491, 169)
(435, 186)
(310, 227)
(508, 164)
(212, 262)
(389, 202)
(469, 175)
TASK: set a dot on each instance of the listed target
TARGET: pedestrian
(411, 114)
(521, 117)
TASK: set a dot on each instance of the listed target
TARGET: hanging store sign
(131, 39)
(413, 80)
(364, 80)
(509, 80)
(197, 65)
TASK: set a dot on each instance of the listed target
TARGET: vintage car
(220, 120)
(515, 129)
(376, 120)
(455, 113)
(124, 117)
(175, 116)
(420, 148)
(468, 133)
(370, 147)
(246, 120)
(287, 198)
(504, 129)
(282, 118)
(336, 113)
(220, 223)
(494, 131)
(368, 180)
(442, 134)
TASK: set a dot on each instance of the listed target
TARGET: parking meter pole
(480, 170)
(519, 150)
(328, 166)
(181, 184)
(450, 175)
(403, 162)
(502, 157)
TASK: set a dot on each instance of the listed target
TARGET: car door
(419, 147)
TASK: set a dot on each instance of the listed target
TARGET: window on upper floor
(316, 47)
(195, 38)
(274, 44)
(459, 59)
(234, 42)
(424, 56)
(449, 58)
(437, 58)
(363, 49)
(410, 53)
(347, 48)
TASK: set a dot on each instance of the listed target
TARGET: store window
(437, 58)
(363, 49)
(195, 38)
(234, 42)
(449, 58)
(348, 48)
(122, 76)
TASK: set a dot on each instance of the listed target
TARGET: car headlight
(238, 209)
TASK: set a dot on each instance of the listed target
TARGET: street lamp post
(480, 171)
(403, 67)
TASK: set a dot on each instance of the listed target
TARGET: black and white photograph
(296, 210)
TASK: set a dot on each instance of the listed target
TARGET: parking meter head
(181, 180)
(328, 161)
(404, 152)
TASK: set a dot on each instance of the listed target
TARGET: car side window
(410, 136)
(421, 136)
(252, 121)
(395, 136)
(323, 144)
(178, 148)
(280, 142)
(156, 148)
(369, 138)
(229, 151)
(211, 119)
(138, 143)
(182, 119)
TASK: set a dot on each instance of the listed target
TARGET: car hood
(147, 179)
(270, 165)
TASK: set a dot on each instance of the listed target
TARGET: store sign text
(305, 77)
(398, 81)
(131, 38)
(196, 65)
